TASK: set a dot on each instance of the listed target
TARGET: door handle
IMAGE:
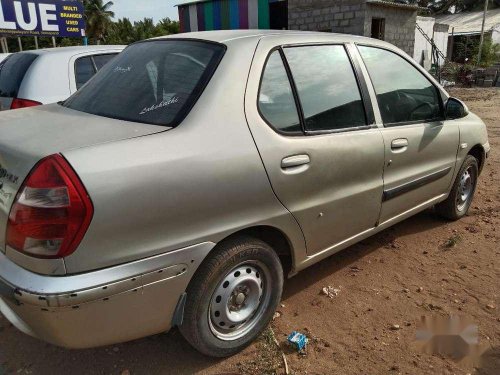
(399, 144)
(295, 161)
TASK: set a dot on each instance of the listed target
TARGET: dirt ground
(422, 266)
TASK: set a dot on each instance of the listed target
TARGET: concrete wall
(354, 17)
(422, 46)
(495, 35)
(340, 16)
(434, 30)
(399, 25)
(441, 35)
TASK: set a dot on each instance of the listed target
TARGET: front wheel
(232, 297)
(458, 202)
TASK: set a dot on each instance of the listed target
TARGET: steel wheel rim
(465, 189)
(239, 300)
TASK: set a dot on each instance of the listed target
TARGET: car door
(315, 134)
(420, 147)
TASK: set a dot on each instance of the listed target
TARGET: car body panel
(431, 154)
(336, 181)
(200, 181)
(116, 304)
(28, 135)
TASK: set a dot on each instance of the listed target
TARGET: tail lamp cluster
(23, 103)
(51, 212)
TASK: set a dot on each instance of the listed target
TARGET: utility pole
(482, 33)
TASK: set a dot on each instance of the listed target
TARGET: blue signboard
(41, 18)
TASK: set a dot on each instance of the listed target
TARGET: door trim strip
(415, 184)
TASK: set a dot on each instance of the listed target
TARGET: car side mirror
(455, 108)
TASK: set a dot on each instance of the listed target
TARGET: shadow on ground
(490, 362)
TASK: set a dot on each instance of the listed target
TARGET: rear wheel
(458, 202)
(232, 297)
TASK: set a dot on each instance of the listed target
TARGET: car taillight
(51, 212)
(23, 103)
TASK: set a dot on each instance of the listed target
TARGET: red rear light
(23, 103)
(51, 212)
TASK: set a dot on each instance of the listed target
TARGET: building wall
(441, 35)
(399, 25)
(437, 31)
(224, 15)
(421, 45)
(354, 17)
(340, 16)
(495, 35)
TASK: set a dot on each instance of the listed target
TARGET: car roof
(74, 50)
(224, 36)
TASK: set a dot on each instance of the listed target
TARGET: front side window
(276, 102)
(150, 82)
(403, 93)
(327, 87)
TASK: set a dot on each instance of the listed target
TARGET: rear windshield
(12, 71)
(150, 82)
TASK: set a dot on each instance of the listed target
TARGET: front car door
(312, 120)
(420, 147)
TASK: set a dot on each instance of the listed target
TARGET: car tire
(460, 198)
(232, 297)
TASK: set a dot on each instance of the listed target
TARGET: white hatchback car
(3, 56)
(50, 75)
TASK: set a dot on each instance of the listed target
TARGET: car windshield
(12, 71)
(153, 82)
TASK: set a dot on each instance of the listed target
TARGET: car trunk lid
(28, 135)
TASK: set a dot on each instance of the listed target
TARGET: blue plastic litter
(298, 340)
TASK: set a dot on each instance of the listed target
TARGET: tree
(98, 16)
(167, 26)
(123, 32)
(457, 6)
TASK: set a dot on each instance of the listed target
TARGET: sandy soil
(422, 266)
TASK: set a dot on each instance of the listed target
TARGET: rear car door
(420, 146)
(315, 133)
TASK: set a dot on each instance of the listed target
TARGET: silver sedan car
(194, 173)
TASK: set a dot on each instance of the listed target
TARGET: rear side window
(276, 102)
(150, 82)
(86, 67)
(327, 87)
(403, 93)
(12, 72)
(84, 70)
(101, 60)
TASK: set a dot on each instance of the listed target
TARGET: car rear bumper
(103, 307)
